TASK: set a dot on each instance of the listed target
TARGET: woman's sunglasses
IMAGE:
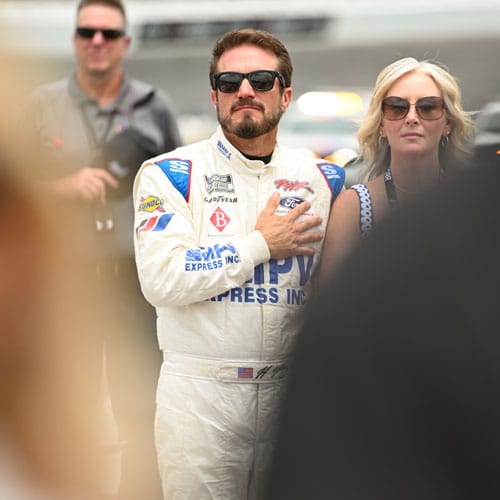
(261, 80)
(108, 34)
(428, 108)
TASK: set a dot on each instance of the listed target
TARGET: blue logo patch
(223, 150)
(290, 202)
(210, 258)
(178, 171)
(209, 253)
(179, 166)
(334, 175)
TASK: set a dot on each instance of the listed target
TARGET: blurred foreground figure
(87, 135)
(394, 389)
(57, 432)
(53, 431)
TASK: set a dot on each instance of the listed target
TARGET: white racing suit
(228, 315)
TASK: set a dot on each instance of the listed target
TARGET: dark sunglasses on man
(428, 108)
(261, 80)
(107, 33)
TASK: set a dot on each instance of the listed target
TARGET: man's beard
(249, 127)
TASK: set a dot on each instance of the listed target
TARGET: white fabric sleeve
(173, 268)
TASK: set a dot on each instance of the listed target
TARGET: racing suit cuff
(257, 247)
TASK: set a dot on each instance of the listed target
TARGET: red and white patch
(220, 219)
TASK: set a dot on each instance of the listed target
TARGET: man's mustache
(247, 102)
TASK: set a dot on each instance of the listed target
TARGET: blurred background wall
(334, 43)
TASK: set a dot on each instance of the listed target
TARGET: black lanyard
(390, 188)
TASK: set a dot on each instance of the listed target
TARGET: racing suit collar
(233, 155)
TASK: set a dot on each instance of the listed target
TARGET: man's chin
(248, 130)
(98, 68)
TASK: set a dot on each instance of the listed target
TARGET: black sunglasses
(108, 34)
(428, 108)
(261, 80)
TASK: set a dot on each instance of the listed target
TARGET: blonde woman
(415, 133)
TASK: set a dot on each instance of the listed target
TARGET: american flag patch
(245, 372)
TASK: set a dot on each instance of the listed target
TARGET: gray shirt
(65, 130)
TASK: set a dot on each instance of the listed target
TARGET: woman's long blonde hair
(376, 154)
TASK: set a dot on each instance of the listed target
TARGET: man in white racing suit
(228, 233)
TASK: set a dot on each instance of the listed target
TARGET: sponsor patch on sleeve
(156, 223)
(179, 173)
(334, 175)
(151, 204)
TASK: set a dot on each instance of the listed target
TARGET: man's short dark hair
(115, 4)
(258, 38)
